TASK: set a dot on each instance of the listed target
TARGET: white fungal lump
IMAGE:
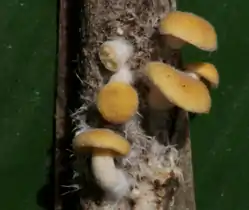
(115, 53)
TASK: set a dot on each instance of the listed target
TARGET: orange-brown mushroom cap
(117, 102)
(101, 139)
(190, 28)
(179, 88)
(204, 70)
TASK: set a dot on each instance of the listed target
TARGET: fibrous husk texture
(153, 159)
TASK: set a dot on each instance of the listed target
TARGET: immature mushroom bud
(204, 70)
(179, 88)
(184, 27)
(105, 145)
(115, 53)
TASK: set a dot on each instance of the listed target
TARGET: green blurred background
(220, 141)
(27, 58)
(28, 69)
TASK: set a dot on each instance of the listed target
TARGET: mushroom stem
(124, 74)
(190, 74)
(174, 42)
(159, 107)
(193, 75)
(157, 100)
(112, 180)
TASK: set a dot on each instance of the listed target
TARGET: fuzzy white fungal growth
(124, 74)
(173, 158)
(161, 162)
(145, 197)
(82, 128)
(115, 53)
(112, 180)
(120, 31)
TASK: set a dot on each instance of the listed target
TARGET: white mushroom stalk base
(112, 180)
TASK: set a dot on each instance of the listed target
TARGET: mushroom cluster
(118, 100)
(104, 144)
(187, 88)
(184, 27)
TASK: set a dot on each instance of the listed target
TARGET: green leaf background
(27, 73)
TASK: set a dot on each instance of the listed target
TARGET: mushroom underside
(175, 42)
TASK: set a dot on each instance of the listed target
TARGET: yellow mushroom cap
(101, 139)
(190, 28)
(205, 70)
(117, 102)
(179, 88)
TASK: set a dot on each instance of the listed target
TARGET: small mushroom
(115, 53)
(204, 70)
(184, 27)
(104, 144)
(117, 102)
(179, 88)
